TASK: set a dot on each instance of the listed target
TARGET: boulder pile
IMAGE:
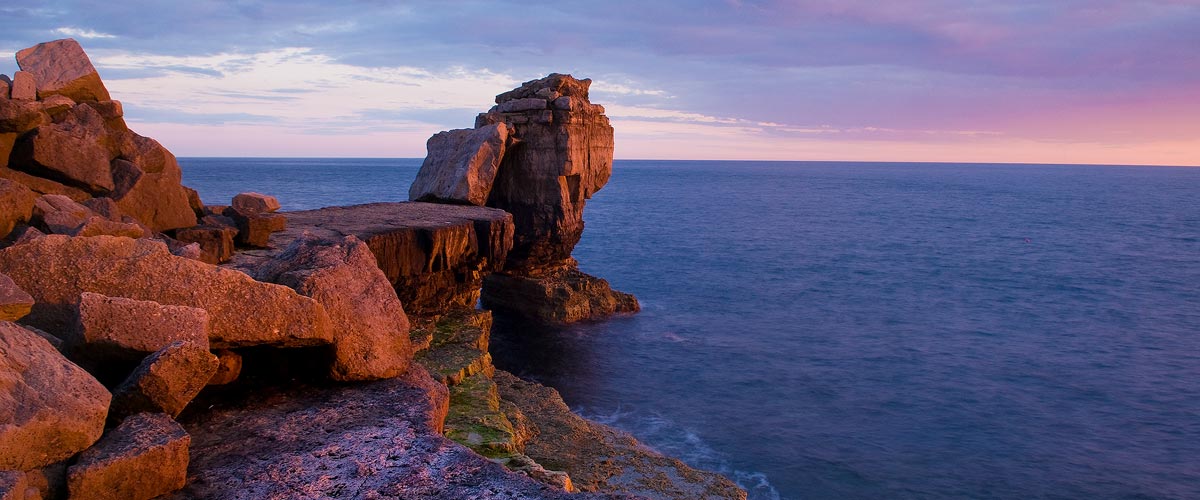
(539, 154)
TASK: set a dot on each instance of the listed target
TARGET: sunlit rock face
(539, 154)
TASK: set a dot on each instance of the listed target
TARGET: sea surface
(869, 330)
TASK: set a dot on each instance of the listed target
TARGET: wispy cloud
(70, 31)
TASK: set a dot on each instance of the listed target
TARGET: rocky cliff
(539, 154)
(153, 346)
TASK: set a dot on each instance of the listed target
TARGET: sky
(1046, 81)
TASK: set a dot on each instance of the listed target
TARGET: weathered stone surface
(20, 116)
(252, 203)
(59, 214)
(194, 202)
(16, 205)
(103, 206)
(43, 186)
(558, 295)
(216, 242)
(61, 67)
(23, 234)
(128, 329)
(73, 151)
(370, 329)
(229, 367)
(519, 105)
(14, 302)
(434, 255)
(557, 83)
(55, 105)
(24, 86)
(600, 458)
(50, 409)
(149, 186)
(461, 165)
(242, 312)
(45, 483)
(166, 381)
(458, 346)
(5, 87)
(255, 230)
(144, 457)
(15, 486)
(110, 110)
(371, 440)
(97, 226)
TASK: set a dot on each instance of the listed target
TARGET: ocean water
(869, 330)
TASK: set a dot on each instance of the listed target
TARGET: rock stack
(539, 154)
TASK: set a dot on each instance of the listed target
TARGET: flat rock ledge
(369, 440)
(434, 255)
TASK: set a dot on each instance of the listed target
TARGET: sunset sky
(1087, 81)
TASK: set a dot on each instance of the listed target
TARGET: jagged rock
(215, 242)
(50, 409)
(370, 329)
(121, 328)
(166, 381)
(55, 105)
(23, 234)
(148, 181)
(229, 367)
(61, 67)
(194, 202)
(254, 203)
(59, 214)
(370, 440)
(5, 87)
(461, 165)
(45, 483)
(14, 302)
(16, 205)
(435, 256)
(242, 312)
(74, 151)
(144, 457)
(24, 86)
(20, 116)
(458, 346)
(558, 295)
(600, 458)
(554, 83)
(255, 230)
(43, 186)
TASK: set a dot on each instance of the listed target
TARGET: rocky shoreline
(155, 346)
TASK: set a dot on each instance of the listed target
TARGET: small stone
(144, 457)
(14, 302)
(254, 203)
(24, 88)
(166, 381)
(128, 329)
(110, 110)
(229, 367)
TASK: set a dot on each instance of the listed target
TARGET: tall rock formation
(539, 154)
(68, 137)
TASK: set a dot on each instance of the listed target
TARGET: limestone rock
(148, 185)
(61, 67)
(73, 151)
(458, 346)
(254, 203)
(24, 86)
(242, 312)
(55, 105)
(43, 186)
(461, 165)
(255, 230)
(229, 367)
(559, 295)
(519, 105)
(16, 205)
(5, 87)
(59, 214)
(14, 302)
(194, 202)
(435, 256)
(50, 409)
(166, 381)
(215, 241)
(20, 116)
(121, 328)
(370, 329)
(144, 457)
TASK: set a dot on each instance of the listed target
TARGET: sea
(868, 330)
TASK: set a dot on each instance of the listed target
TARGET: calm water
(836, 330)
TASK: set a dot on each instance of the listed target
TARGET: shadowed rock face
(434, 255)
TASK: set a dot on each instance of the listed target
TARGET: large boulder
(14, 302)
(461, 165)
(56, 270)
(61, 67)
(148, 184)
(166, 381)
(146, 456)
(16, 205)
(73, 151)
(556, 295)
(50, 409)
(370, 329)
(128, 329)
(252, 203)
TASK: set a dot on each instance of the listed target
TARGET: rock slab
(62, 68)
(461, 165)
(14, 302)
(144, 457)
(50, 409)
(165, 382)
(121, 328)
